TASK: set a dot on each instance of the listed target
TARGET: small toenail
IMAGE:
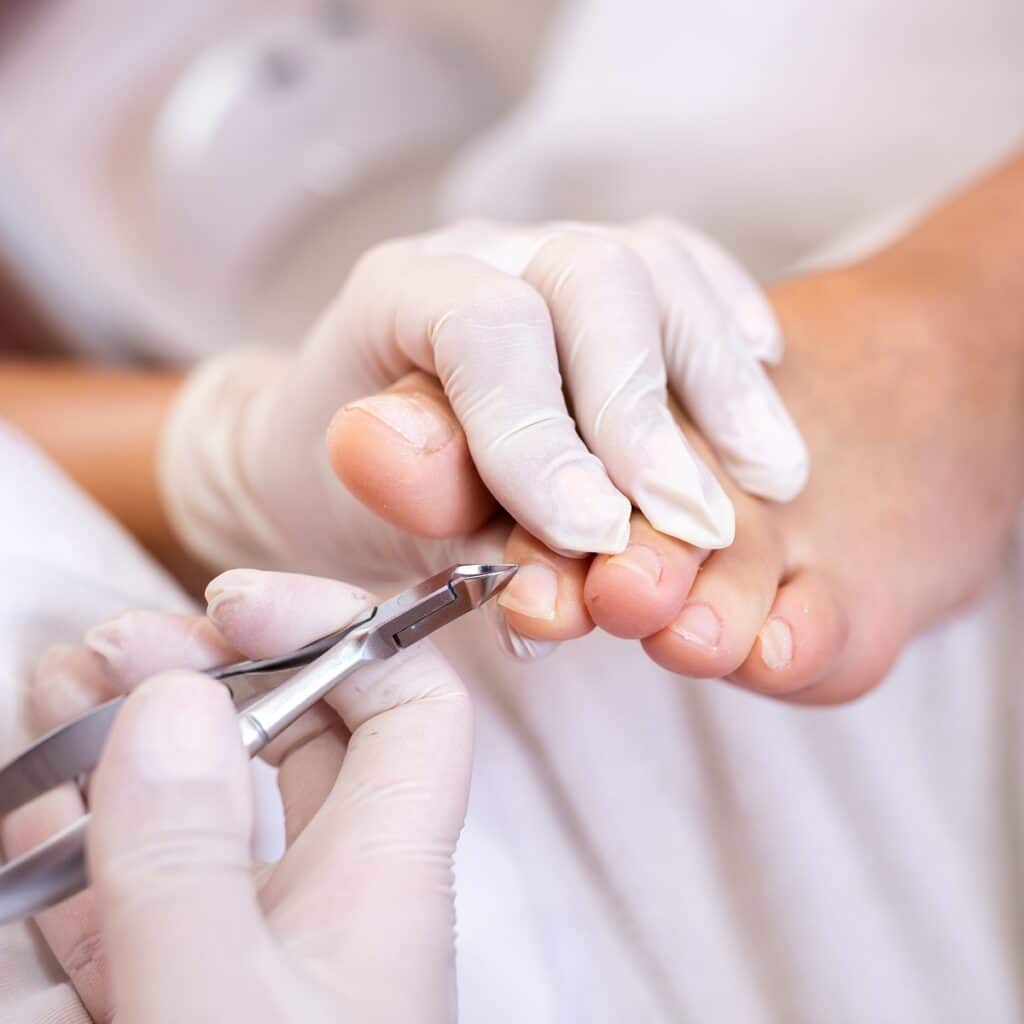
(699, 625)
(642, 560)
(414, 421)
(776, 644)
(533, 592)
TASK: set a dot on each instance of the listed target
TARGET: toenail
(642, 560)
(533, 592)
(776, 644)
(419, 425)
(699, 625)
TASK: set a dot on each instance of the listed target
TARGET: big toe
(403, 454)
(640, 591)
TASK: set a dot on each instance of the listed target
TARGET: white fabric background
(641, 848)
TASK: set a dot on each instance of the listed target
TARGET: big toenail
(642, 560)
(776, 644)
(414, 421)
(532, 592)
(699, 625)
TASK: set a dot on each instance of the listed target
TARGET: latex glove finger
(737, 292)
(606, 321)
(258, 611)
(168, 853)
(137, 644)
(717, 379)
(488, 338)
(262, 614)
(68, 681)
(383, 841)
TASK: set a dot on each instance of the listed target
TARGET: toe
(403, 454)
(727, 605)
(640, 591)
(802, 640)
(545, 598)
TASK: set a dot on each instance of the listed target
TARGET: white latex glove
(514, 322)
(354, 923)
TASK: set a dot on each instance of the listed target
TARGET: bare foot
(912, 416)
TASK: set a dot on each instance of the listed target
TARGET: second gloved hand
(178, 925)
(517, 326)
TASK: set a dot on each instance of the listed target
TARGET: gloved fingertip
(681, 497)
(768, 456)
(108, 640)
(710, 528)
(767, 349)
(230, 595)
(758, 326)
(781, 479)
(589, 514)
(136, 644)
(234, 581)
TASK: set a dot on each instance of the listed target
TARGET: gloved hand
(374, 783)
(518, 325)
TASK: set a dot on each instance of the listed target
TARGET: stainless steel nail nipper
(56, 869)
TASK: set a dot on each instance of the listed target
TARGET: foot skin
(913, 420)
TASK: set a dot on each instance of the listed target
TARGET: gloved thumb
(168, 854)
